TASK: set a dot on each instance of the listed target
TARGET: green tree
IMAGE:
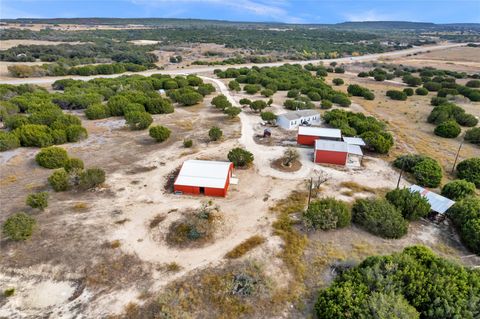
(338, 81)
(327, 213)
(232, 111)
(448, 129)
(59, 180)
(472, 135)
(19, 226)
(215, 133)
(221, 102)
(465, 215)
(240, 157)
(458, 189)
(159, 133)
(8, 141)
(268, 117)
(469, 170)
(76, 133)
(258, 105)
(428, 173)
(234, 86)
(91, 178)
(412, 205)
(38, 200)
(138, 120)
(34, 135)
(51, 157)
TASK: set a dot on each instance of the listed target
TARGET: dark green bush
(412, 205)
(338, 81)
(326, 104)
(73, 164)
(8, 141)
(436, 101)
(240, 157)
(448, 129)
(159, 133)
(59, 180)
(327, 213)
(215, 133)
(469, 170)
(397, 95)
(473, 84)
(76, 133)
(472, 135)
(465, 215)
(421, 91)
(379, 142)
(341, 100)
(37, 200)
(14, 121)
(91, 178)
(52, 157)
(428, 173)
(379, 217)
(34, 135)
(408, 91)
(138, 120)
(19, 226)
(458, 189)
(408, 162)
(187, 143)
(97, 111)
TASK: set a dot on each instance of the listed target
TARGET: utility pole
(310, 192)
(456, 157)
(401, 172)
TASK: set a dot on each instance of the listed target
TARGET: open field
(7, 44)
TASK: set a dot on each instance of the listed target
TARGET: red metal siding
(306, 139)
(329, 157)
(215, 192)
(187, 189)
(209, 191)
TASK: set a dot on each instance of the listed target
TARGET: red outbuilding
(334, 152)
(308, 135)
(211, 178)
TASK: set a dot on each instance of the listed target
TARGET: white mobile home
(292, 120)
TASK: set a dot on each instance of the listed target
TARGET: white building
(292, 120)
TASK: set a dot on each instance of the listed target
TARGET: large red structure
(330, 152)
(211, 178)
(308, 135)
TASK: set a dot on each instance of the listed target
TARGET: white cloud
(369, 15)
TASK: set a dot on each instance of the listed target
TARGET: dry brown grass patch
(245, 246)
(157, 220)
(80, 206)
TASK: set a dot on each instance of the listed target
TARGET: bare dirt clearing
(7, 44)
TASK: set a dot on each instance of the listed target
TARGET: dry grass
(245, 247)
(186, 125)
(115, 244)
(80, 206)
(8, 180)
(157, 220)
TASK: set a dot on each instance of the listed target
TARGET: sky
(286, 11)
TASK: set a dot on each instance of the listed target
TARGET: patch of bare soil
(294, 166)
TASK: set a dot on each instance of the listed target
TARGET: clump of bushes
(138, 120)
(469, 170)
(215, 133)
(8, 141)
(427, 171)
(357, 90)
(412, 205)
(472, 135)
(421, 91)
(327, 213)
(187, 143)
(465, 215)
(458, 189)
(91, 178)
(338, 81)
(59, 180)
(52, 157)
(159, 133)
(449, 111)
(19, 226)
(38, 200)
(240, 157)
(397, 95)
(326, 104)
(448, 129)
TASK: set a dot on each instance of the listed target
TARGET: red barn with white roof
(307, 135)
(211, 178)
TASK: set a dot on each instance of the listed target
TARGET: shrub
(52, 157)
(189, 98)
(408, 91)
(432, 86)
(466, 119)
(14, 121)
(428, 173)
(363, 75)
(59, 180)
(379, 217)
(380, 77)
(327, 213)
(159, 133)
(339, 70)
(215, 133)
(240, 157)
(76, 133)
(251, 88)
(245, 101)
(267, 92)
(258, 105)
(357, 90)
(412, 205)
(187, 143)
(458, 189)
(221, 102)
(465, 215)
(38, 200)
(326, 104)
(379, 142)
(138, 120)
(268, 116)
(472, 135)
(421, 91)
(448, 129)
(293, 93)
(338, 81)
(8, 141)
(19, 226)
(59, 137)
(245, 247)
(469, 170)
(397, 95)
(9, 292)
(34, 135)
(73, 164)
(341, 100)
(408, 162)
(232, 111)
(91, 178)
(97, 111)
(473, 84)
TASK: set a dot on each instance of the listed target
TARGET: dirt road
(368, 57)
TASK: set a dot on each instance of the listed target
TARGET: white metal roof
(438, 203)
(354, 140)
(334, 146)
(296, 115)
(203, 173)
(320, 131)
(354, 149)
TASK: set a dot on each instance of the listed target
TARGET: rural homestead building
(438, 203)
(294, 119)
(211, 178)
(334, 152)
(354, 141)
(308, 135)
